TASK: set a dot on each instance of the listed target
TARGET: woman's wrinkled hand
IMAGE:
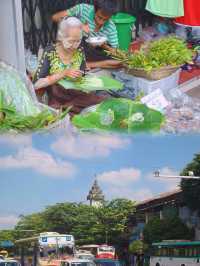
(72, 73)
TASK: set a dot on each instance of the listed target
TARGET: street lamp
(190, 176)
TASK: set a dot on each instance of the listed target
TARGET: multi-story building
(161, 206)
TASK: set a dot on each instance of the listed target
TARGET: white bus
(176, 253)
(52, 242)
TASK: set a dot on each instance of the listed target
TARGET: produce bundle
(10, 119)
(121, 115)
(169, 51)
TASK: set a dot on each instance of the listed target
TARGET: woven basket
(154, 74)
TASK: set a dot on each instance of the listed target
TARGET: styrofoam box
(147, 86)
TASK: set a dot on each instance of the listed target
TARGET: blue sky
(43, 169)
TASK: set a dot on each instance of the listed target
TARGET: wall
(11, 32)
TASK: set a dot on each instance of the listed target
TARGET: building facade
(164, 205)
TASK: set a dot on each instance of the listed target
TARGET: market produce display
(20, 110)
(92, 83)
(10, 119)
(169, 51)
(121, 115)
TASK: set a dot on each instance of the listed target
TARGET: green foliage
(11, 119)
(169, 51)
(6, 235)
(169, 228)
(87, 223)
(191, 188)
(137, 247)
(121, 115)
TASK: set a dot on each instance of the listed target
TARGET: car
(66, 262)
(107, 262)
(84, 254)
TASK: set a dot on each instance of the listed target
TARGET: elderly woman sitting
(64, 59)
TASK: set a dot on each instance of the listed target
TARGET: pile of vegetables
(121, 115)
(169, 51)
(10, 119)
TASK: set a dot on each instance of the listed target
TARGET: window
(106, 249)
(44, 239)
(176, 252)
(182, 252)
(68, 238)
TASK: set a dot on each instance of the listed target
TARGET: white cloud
(88, 146)
(128, 192)
(121, 184)
(16, 140)
(39, 161)
(8, 221)
(124, 177)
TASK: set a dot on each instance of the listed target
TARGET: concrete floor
(194, 92)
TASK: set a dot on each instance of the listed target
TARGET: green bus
(175, 253)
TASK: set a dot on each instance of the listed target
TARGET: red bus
(100, 251)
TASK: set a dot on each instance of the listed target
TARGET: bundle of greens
(169, 51)
(10, 119)
(121, 115)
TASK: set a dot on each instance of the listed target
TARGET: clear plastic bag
(183, 114)
(18, 90)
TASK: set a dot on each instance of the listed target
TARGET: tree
(157, 230)
(88, 224)
(191, 188)
(113, 224)
(6, 235)
(137, 246)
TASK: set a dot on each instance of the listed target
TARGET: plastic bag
(129, 90)
(18, 90)
(31, 62)
(183, 114)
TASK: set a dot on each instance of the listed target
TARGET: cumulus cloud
(123, 177)
(122, 184)
(128, 193)
(8, 221)
(40, 161)
(88, 146)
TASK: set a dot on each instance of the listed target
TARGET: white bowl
(96, 40)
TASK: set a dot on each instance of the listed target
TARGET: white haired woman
(64, 59)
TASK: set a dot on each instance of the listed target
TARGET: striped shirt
(86, 14)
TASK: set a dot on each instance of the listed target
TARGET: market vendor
(65, 59)
(97, 22)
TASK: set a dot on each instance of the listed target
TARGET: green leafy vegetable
(169, 51)
(10, 119)
(121, 115)
(92, 83)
